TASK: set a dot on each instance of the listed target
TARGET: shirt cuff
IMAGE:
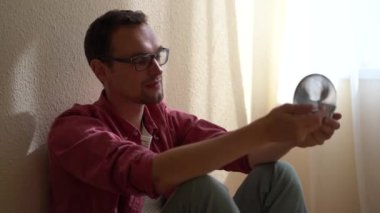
(143, 174)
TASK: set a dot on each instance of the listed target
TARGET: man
(127, 146)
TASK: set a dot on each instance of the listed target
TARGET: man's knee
(266, 176)
(278, 171)
(201, 194)
(204, 186)
(285, 174)
(272, 186)
(279, 178)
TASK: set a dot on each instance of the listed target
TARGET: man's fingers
(337, 116)
(332, 123)
(310, 122)
(297, 108)
(327, 132)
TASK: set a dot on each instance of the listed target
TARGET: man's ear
(100, 69)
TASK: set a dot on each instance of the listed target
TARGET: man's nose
(155, 67)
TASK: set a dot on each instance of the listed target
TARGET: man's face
(122, 81)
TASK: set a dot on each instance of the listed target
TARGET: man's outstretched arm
(287, 124)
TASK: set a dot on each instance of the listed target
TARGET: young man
(111, 155)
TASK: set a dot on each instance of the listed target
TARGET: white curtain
(365, 88)
(340, 39)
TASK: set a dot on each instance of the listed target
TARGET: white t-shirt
(150, 205)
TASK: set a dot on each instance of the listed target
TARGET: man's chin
(153, 99)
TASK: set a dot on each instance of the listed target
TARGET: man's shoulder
(73, 120)
(80, 109)
(81, 113)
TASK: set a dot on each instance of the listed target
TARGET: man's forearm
(174, 166)
(268, 152)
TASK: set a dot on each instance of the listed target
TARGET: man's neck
(128, 110)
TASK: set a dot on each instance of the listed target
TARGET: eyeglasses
(142, 62)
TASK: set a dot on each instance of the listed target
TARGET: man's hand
(291, 123)
(289, 126)
(299, 125)
(323, 133)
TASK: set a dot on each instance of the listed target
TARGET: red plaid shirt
(97, 162)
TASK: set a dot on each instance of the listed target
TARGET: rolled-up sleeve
(85, 148)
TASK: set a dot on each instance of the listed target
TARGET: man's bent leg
(271, 188)
(202, 194)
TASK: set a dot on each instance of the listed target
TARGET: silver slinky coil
(318, 90)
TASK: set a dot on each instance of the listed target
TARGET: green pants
(268, 188)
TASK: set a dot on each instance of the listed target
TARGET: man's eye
(158, 57)
(142, 60)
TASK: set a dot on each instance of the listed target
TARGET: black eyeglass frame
(132, 60)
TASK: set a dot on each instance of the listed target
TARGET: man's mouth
(154, 84)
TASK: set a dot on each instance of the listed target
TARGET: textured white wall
(43, 71)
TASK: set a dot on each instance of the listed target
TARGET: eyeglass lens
(143, 62)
